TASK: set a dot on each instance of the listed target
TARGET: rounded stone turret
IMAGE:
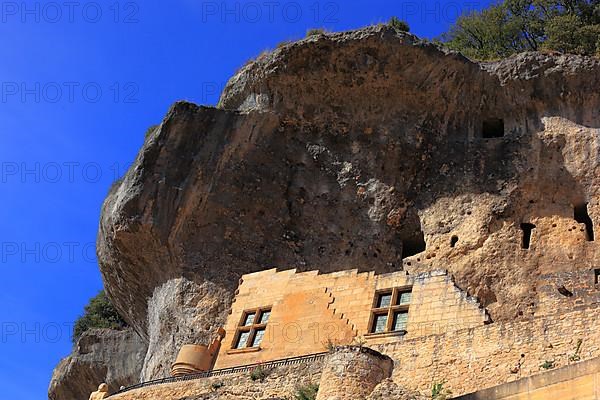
(352, 372)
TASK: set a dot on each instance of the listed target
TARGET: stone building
(281, 314)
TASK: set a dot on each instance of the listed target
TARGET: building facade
(281, 314)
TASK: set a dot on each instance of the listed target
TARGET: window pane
(249, 320)
(400, 319)
(258, 337)
(380, 323)
(264, 316)
(384, 300)
(404, 297)
(242, 341)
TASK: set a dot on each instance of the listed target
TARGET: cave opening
(527, 229)
(453, 241)
(581, 215)
(596, 276)
(413, 245)
(492, 128)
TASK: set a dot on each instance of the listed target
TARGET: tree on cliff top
(99, 313)
(513, 26)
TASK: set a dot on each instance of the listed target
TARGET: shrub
(150, 130)
(547, 364)
(439, 393)
(306, 392)
(99, 313)
(258, 373)
(315, 32)
(399, 24)
(217, 385)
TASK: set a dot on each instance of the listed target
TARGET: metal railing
(227, 371)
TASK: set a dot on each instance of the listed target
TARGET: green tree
(399, 24)
(99, 313)
(512, 26)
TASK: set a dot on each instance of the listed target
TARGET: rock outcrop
(367, 149)
(101, 355)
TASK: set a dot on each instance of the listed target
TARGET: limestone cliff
(100, 355)
(367, 149)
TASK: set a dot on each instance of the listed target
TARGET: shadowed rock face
(101, 355)
(349, 151)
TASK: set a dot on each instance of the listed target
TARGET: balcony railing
(227, 371)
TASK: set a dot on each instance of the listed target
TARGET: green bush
(150, 130)
(399, 25)
(258, 373)
(99, 313)
(513, 26)
(439, 393)
(315, 32)
(306, 392)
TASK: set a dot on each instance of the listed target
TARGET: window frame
(251, 328)
(391, 310)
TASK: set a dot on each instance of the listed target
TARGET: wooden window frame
(390, 310)
(252, 328)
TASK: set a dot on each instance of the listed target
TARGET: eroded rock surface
(367, 149)
(101, 355)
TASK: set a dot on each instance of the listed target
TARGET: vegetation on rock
(307, 392)
(513, 26)
(150, 130)
(315, 32)
(99, 313)
(258, 373)
(399, 24)
(438, 392)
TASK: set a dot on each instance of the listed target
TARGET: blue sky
(80, 84)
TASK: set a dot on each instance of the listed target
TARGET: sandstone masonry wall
(310, 311)
(476, 358)
(353, 373)
(280, 382)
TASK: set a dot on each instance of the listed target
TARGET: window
(492, 128)
(581, 215)
(390, 310)
(252, 328)
(527, 232)
(413, 245)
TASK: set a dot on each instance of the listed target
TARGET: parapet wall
(279, 382)
(353, 373)
(574, 382)
(471, 359)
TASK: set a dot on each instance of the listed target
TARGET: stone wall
(310, 311)
(472, 359)
(568, 289)
(353, 373)
(574, 382)
(280, 382)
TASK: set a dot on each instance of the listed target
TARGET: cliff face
(101, 355)
(366, 149)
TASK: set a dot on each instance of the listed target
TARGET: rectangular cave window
(252, 328)
(413, 245)
(527, 229)
(597, 276)
(581, 215)
(390, 310)
(492, 128)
